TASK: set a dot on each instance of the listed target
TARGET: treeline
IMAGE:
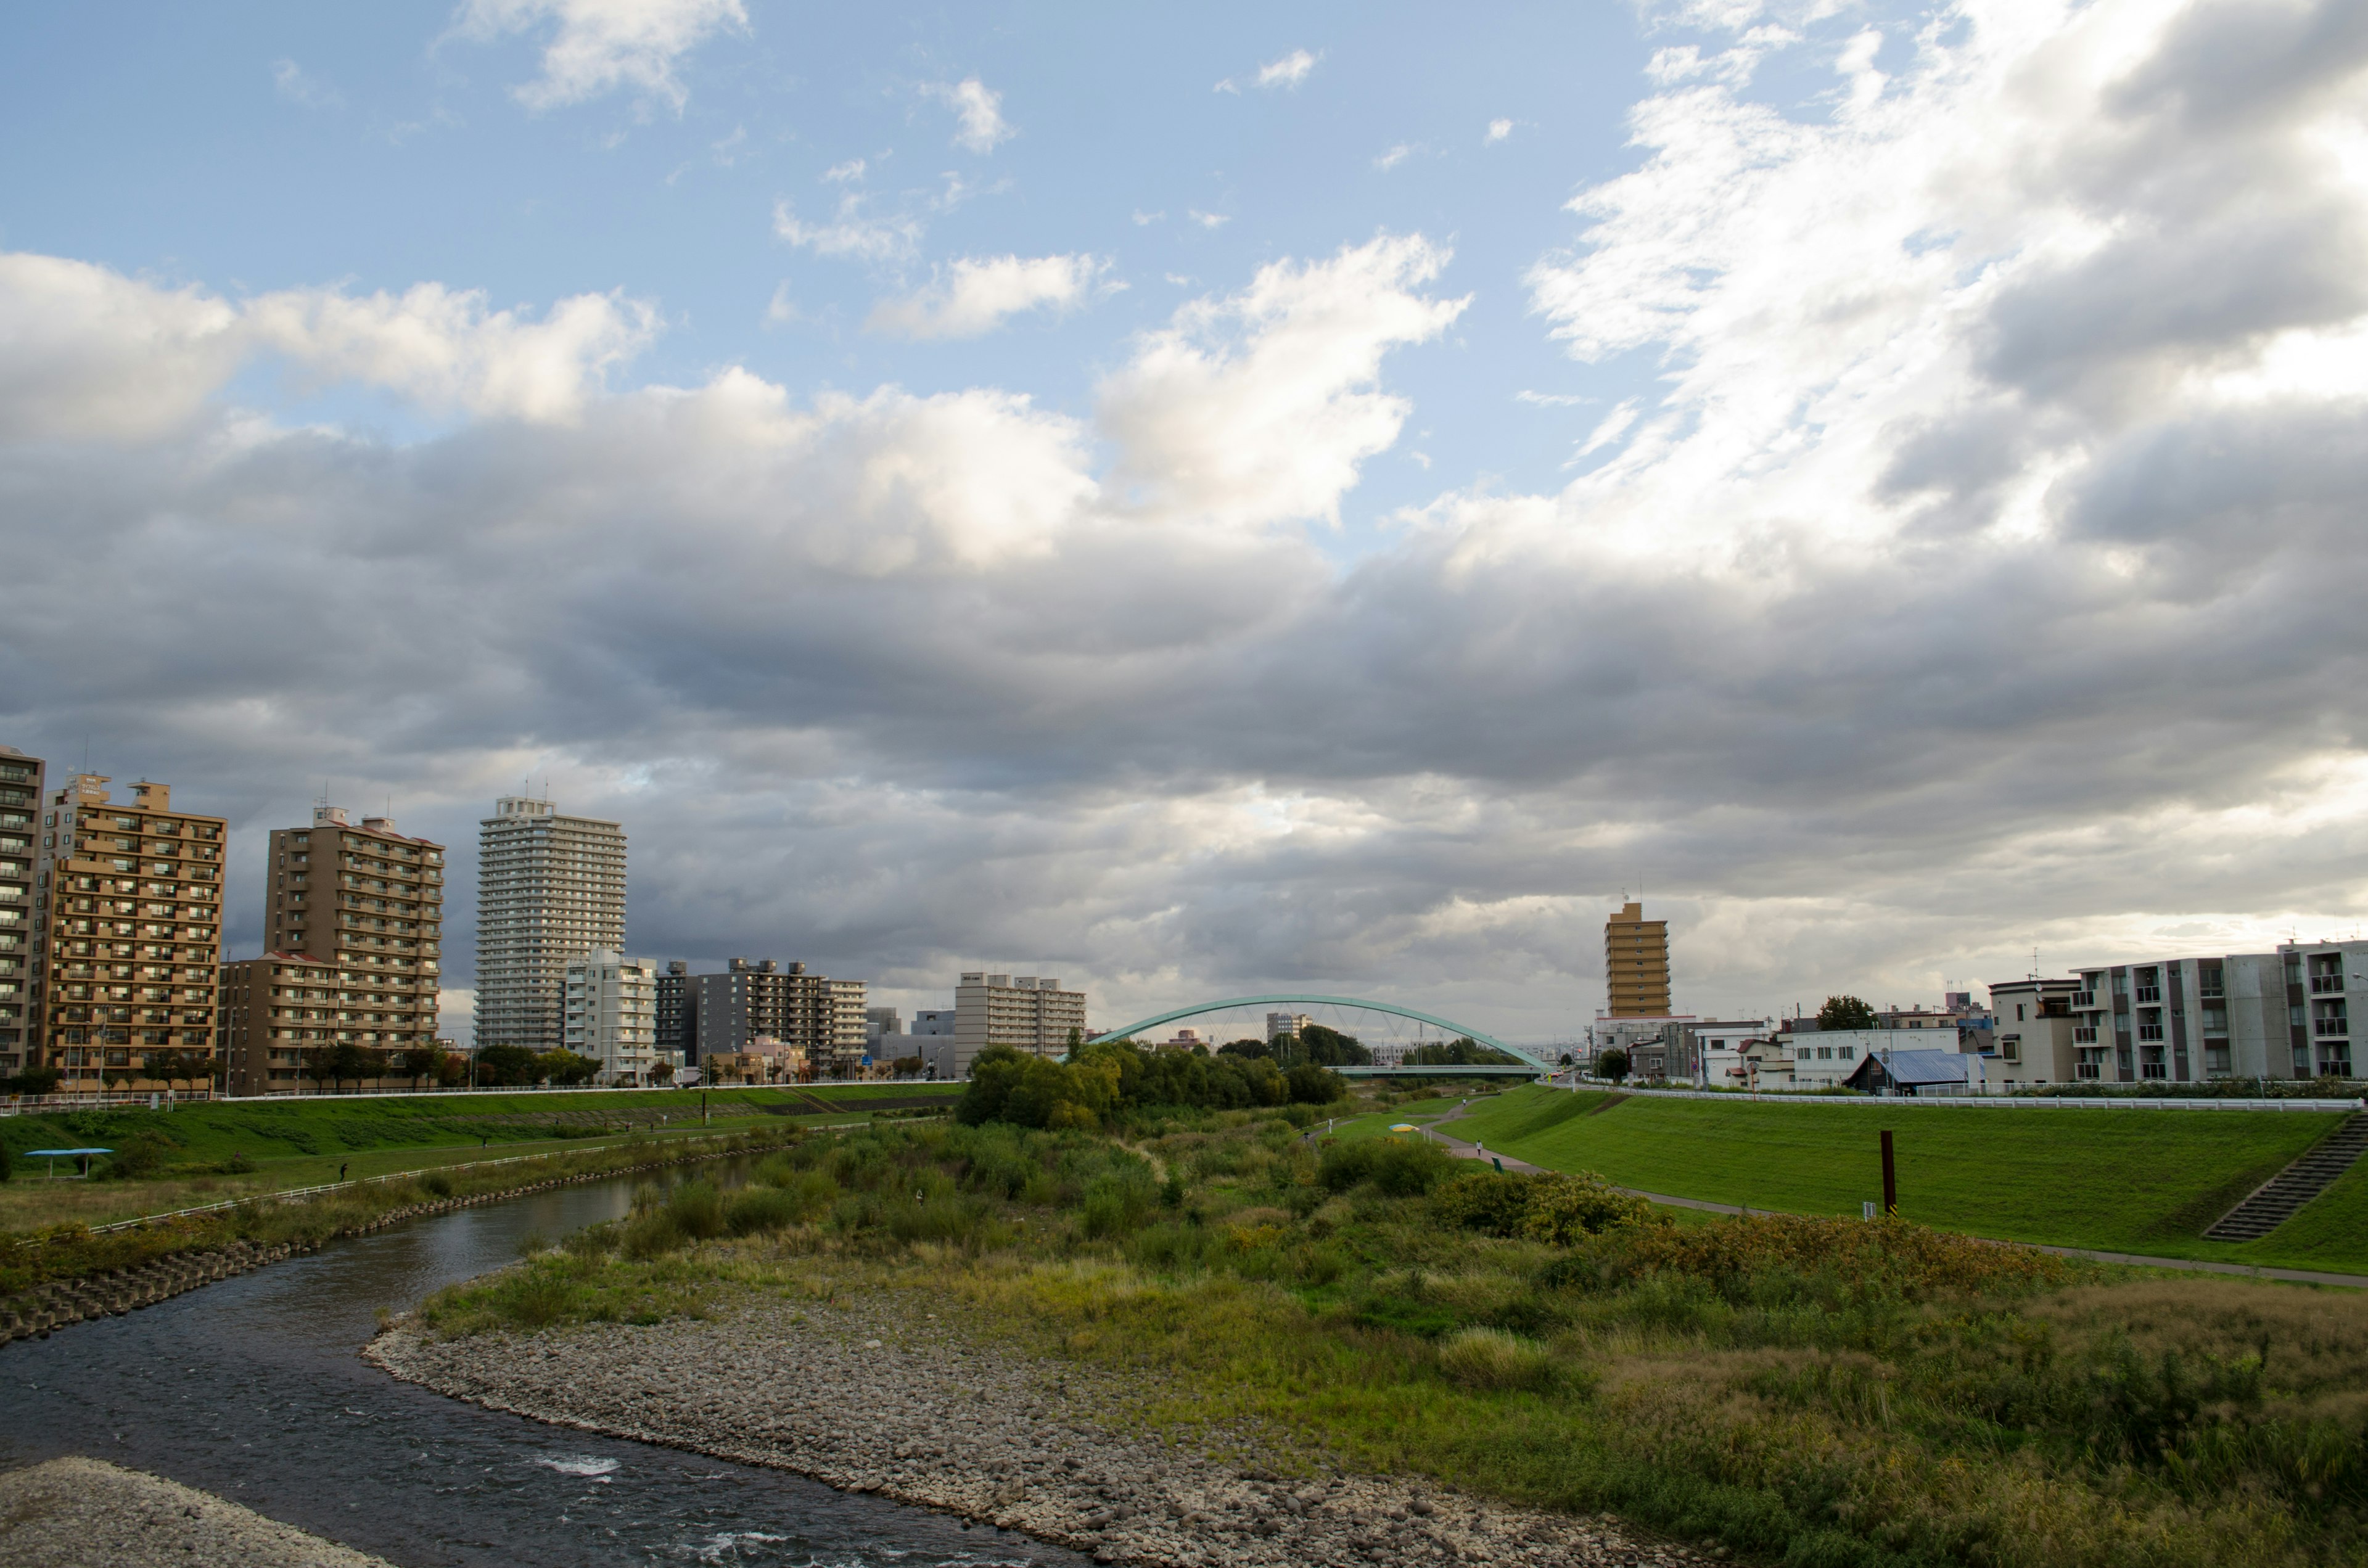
(1103, 1079)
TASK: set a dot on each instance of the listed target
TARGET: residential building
(934, 1021)
(1631, 1034)
(884, 1024)
(127, 934)
(612, 1015)
(820, 1017)
(368, 902)
(1635, 964)
(1924, 1073)
(2031, 1033)
(1825, 1058)
(277, 1012)
(1030, 1013)
(21, 777)
(2278, 1014)
(1707, 1053)
(937, 1044)
(677, 1016)
(1281, 1024)
(550, 887)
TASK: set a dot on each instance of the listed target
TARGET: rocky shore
(868, 1397)
(84, 1513)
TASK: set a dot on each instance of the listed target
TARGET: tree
(1330, 1048)
(1464, 1051)
(1845, 1013)
(506, 1066)
(564, 1069)
(662, 1071)
(35, 1081)
(1613, 1064)
(907, 1066)
(1255, 1049)
(419, 1061)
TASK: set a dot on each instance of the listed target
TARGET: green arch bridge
(1536, 1062)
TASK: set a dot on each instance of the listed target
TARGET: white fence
(1994, 1102)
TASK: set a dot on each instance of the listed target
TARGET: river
(251, 1389)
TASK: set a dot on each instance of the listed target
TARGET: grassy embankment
(1822, 1392)
(212, 1151)
(2139, 1181)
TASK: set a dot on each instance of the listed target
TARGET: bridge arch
(1519, 1053)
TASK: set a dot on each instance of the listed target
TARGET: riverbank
(85, 1513)
(68, 1275)
(872, 1392)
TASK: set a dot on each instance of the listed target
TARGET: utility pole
(1890, 1180)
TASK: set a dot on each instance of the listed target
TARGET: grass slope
(2131, 1181)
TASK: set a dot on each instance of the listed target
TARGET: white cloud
(301, 87)
(1144, 220)
(1288, 72)
(979, 109)
(977, 294)
(597, 46)
(1550, 400)
(1497, 131)
(838, 174)
(1210, 220)
(1613, 425)
(88, 353)
(1258, 408)
(853, 231)
(1394, 157)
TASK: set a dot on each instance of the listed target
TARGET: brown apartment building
(21, 802)
(1635, 964)
(353, 925)
(127, 932)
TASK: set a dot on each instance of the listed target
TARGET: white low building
(1822, 1058)
(611, 1016)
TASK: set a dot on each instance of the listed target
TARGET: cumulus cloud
(87, 353)
(853, 231)
(1499, 129)
(1287, 71)
(977, 294)
(978, 109)
(300, 86)
(1259, 407)
(597, 46)
(1938, 600)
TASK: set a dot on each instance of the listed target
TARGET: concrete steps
(2274, 1203)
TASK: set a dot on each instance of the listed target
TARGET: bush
(142, 1155)
(436, 1184)
(697, 1209)
(1492, 1358)
(758, 1208)
(1490, 1201)
(653, 1233)
(1311, 1085)
(1400, 1167)
(1119, 1203)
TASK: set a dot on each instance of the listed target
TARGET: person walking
(341, 1173)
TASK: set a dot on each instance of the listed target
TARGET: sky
(1224, 500)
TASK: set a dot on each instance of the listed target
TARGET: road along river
(251, 1389)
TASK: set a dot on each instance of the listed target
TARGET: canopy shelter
(54, 1156)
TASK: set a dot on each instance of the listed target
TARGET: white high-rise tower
(549, 889)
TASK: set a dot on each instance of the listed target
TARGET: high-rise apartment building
(368, 903)
(1030, 1013)
(611, 1016)
(127, 934)
(1635, 964)
(550, 887)
(677, 1016)
(762, 1000)
(277, 1011)
(20, 802)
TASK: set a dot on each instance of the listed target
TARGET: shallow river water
(251, 1389)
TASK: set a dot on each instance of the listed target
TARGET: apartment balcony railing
(2150, 1031)
(2149, 992)
(2334, 1026)
(2084, 1035)
(2322, 984)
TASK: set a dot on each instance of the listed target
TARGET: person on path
(341, 1173)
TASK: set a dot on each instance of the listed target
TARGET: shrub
(651, 1233)
(1119, 1203)
(142, 1155)
(1561, 1208)
(1768, 1259)
(1400, 1167)
(757, 1209)
(696, 1208)
(1492, 1358)
(436, 1184)
(1489, 1201)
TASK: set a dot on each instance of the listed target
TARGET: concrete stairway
(2276, 1200)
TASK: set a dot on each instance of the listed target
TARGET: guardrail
(2002, 1102)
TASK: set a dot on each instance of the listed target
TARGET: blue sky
(1205, 502)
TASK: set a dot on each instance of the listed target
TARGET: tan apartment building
(1635, 964)
(368, 901)
(2034, 1032)
(276, 1011)
(21, 802)
(1032, 1014)
(550, 887)
(126, 933)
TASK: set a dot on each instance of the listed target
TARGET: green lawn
(2144, 1181)
(302, 1142)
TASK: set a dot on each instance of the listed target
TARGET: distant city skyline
(1224, 501)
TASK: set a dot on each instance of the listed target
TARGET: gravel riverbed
(85, 1513)
(864, 1397)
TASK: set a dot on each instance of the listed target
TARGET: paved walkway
(1463, 1150)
